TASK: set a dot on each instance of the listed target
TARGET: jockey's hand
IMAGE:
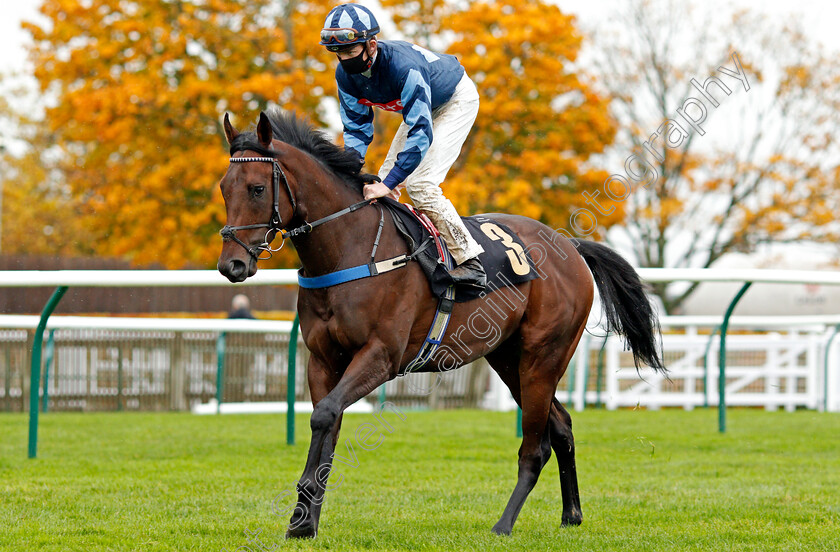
(376, 190)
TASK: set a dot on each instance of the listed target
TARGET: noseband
(275, 224)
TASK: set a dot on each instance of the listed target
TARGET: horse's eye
(259, 191)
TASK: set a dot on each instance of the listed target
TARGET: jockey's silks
(404, 78)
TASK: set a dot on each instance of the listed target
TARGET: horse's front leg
(323, 377)
(370, 368)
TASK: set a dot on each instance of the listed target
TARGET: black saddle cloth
(505, 259)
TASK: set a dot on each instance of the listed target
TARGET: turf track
(649, 481)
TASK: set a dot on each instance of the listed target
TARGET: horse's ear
(264, 132)
(230, 132)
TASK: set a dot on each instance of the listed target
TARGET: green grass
(649, 481)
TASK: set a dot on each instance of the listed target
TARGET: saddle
(505, 258)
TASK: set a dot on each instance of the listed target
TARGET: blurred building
(771, 299)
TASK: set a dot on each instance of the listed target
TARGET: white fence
(780, 369)
(772, 363)
(116, 363)
(122, 363)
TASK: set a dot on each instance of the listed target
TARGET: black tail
(627, 308)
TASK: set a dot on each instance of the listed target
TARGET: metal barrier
(63, 279)
(772, 362)
(748, 277)
(119, 363)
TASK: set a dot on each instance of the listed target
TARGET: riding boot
(462, 246)
(470, 273)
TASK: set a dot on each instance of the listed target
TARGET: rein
(275, 223)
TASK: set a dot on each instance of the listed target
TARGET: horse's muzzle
(237, 270)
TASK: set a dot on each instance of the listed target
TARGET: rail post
(35, 368)
(722, 359)
(120, 359)
(220, 371)
(290, 383)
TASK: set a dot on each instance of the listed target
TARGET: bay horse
(286, 179)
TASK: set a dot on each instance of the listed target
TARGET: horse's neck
(338, 242)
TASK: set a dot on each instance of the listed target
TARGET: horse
(287, 179)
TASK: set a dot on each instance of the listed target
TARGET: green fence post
(35, 368)
(722, 365)
(49, 355)
(7, 384)
(220, 371)
(290, 383)
(382, 394)
(120, 378)
(518, 422)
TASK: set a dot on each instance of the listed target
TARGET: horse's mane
(299, 132)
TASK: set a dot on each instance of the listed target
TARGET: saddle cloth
(505, 259)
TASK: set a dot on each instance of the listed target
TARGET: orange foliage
(538, 123)
(141, 87)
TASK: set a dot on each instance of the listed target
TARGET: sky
(12, 37)
(820, 15)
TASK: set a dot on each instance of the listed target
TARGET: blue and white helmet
(348, 24)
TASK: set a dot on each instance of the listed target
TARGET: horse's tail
(627, 308)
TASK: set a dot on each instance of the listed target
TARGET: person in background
(240, 307)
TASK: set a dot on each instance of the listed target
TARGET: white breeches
(451, 123)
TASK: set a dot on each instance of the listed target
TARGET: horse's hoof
(301, 532)
(575, 517)
(499, 530)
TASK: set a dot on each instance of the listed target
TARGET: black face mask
(357, 64)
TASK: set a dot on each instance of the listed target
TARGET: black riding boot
(470, 273)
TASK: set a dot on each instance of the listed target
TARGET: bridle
(275, 223)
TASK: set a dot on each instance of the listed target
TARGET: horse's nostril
(237, 268)
(234, 270)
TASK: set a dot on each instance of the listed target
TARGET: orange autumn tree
(539, 122)
(139, 89)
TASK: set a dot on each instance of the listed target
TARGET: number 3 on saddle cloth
(505, 261)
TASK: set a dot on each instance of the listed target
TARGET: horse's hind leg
(536, 388)
(563, 443)
(505, 361)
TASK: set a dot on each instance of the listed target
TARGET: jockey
(438, 102)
